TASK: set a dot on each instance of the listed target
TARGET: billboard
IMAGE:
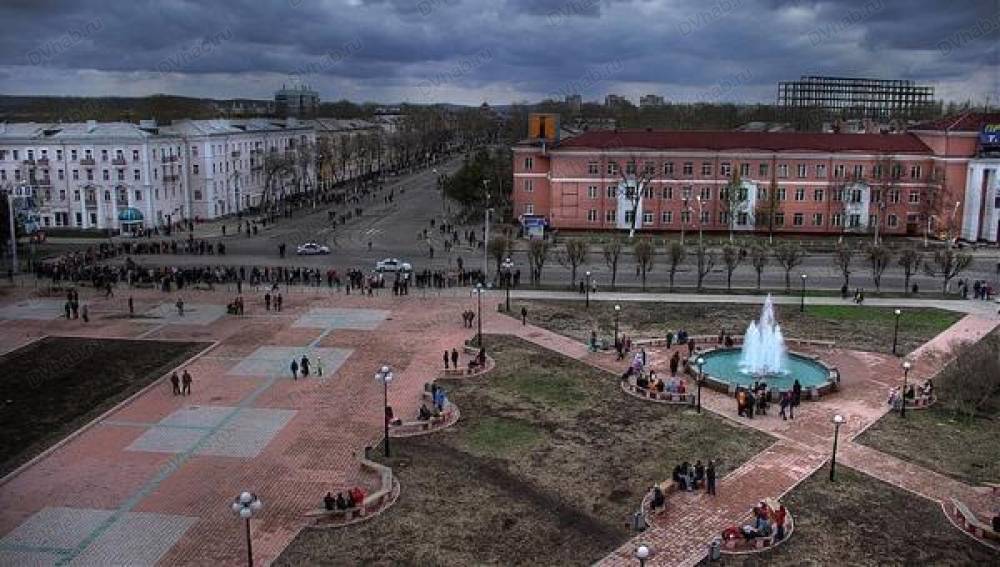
(990, 135)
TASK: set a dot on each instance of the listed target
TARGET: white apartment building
(96, 174)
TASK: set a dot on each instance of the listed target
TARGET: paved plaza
(152, 481)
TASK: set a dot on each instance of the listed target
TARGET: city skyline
(389, 51)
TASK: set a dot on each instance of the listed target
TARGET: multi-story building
(853, 96)
(87, 175)
(650, 100)
(616, 101)
(938, 177)
(297, 100)
(574, 102)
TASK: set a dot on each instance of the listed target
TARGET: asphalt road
(394, 231)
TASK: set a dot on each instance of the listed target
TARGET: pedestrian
(175, 382)
(710, 478)
(186, 383)
(108, 292)
(670, 339)
(131, 307)
(85, 313)
(295, 369)
(784, 405)
(319, 366)
(690, 346)
(524, 316)
(454, 358)
(180, 307)
(446, 360)
(304, 366)
(796, 392)
(267, 301)
(68, 307)
(278, 302)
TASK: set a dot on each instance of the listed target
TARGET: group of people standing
(302, 366)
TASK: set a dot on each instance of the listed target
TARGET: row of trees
(944, 263)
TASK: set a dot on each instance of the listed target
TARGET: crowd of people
(767, 520)
(911, 394)
(354, 499)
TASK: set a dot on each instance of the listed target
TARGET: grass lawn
(859, 520)
(862, 328)
(54, 386)
(545, 467)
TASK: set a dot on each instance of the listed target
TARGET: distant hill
(77, 109)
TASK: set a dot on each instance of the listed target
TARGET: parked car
(311, 249)
(392, 265)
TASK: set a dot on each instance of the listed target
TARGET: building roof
(72, 130)
(964, 122)
(735, 141)
(341, 124)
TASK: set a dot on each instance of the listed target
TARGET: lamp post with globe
(384, 375)
(245, 505)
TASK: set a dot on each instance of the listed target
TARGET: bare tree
(909, 259)
(734, 199)
(842, 256)
(947, 263)
(676, 253)
(276, 168)
(635, 184)
(759, 258)
(789, 256)
(971, 381)
(644, 252)
(325, 156)
(612, 250)
(732, 257)
(538, 252)
(303, 158)
(879, 257)
(705, 261)
(573, 256)
(499, 248)
(768, 206)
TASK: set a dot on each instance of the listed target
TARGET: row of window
(742, 219)
(220, 149)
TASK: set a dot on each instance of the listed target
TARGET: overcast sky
(500, 51)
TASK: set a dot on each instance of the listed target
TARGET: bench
(920, 402)
(667, 397)
(371, 502)
(970, 523)
(347, 513)
(741, 545)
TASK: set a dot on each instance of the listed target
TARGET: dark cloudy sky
(467, 51)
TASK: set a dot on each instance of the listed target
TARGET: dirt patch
(859, 328)
(860, 520)
(545, 467)
(53, 386)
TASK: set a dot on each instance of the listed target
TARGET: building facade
(297, 100)
(650, 100)
(876, 98)
(935, 179)
(87, 175)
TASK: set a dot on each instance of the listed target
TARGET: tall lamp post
(838, 420)
(618, 310)
(895, 331)
(245, 505)
(802, 304)
(902, 394)
(479, 316)
(701, 378)
(587, 290)
(384, 375)
(642, 554)
(507, 265)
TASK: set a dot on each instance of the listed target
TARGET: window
(61, 174)
(800, 194)
(668, 193)
(892, 221)
(106, 175)
(744, 170)
(194, 150)
(630, 217)
(612, 191)
(802, 170)
(79, 219)
(817, 195)
(609, 215)
(783, 170)
(121, 175)
(649, 168)
(763, 169)
(914, 197)
(781, 193)
(821, 171)
(14, 152)
(197, 194)
(817, 219)
(667, 217)
(706, 169)
(724, 218)
(686, 192)
(528, 163)
(592, 192)
(835, 219)
(647, 192)
(72, 155)
(705, 217)
(17, 174)
(839, 170)
(668, 168)
(528, 186)
(138, 195)
(90, 175)
(872, 220)
(76, 195)
(647, 218)
(612, 168)
(877, 171)
(630, 167)
(194, 169)
(797, 219)
(592, 215)
(686, 217)
(135, 155)
(742, 218)
(897, 171)
(725, 169)
(688, 168)
(876, 196)
(855, 195)
(779, 219)
(107, 195)
(915, 172)
(706, 193)
(592, 168)
(104, 155)
(529, 209)
(859, 171)
(893, 195)
(59, 155)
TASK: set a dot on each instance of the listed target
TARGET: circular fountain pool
(723, 365)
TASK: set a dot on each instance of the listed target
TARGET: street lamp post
(507, 265)
(838, 420)
(479, 317)
(618, 310)
(245, 505)
(802, 304)
(587, 290)
(701, 378)
(902, 394)
(642, 554)
(895, 332)
(384, 375)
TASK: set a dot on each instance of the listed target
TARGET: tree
(732, 257)
(768, 206)
(574, 255)
(759, 258)
(705, 257)
(303, 161)
(538, 252)
(734, 200)
(499, 248)
(878, 258)
(789, 255)
(325, 154)
(612, 250)
(644, 251)
(971, 380)
(276, 168)
(635, 183)
(909, 259)
(676, 253)
(947, 263)
(842, 256)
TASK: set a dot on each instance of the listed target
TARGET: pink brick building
(940, 176)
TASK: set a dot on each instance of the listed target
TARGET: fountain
(763, 352)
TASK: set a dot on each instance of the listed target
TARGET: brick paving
(153, 480)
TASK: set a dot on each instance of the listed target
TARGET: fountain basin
(723, 371)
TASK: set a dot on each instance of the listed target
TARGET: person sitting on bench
(425, 414)
(642, 382)
(350, 500)
(329, 501)
(341, 501)
(357, 495)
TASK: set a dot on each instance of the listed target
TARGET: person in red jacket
(779, 522)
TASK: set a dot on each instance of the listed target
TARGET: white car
(392, 265)
(311, 249)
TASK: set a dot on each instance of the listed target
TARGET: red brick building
(808, 183)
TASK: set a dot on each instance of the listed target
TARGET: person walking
(175, 382)
(131, 307)
(524, 316)
(278, 302)
(304, 366)
(186, 383)
(180, 307)
(710, 478)
(454, 358)
(267, 301)
(85, 313)
(446, 360)
(319, 367)
(295, 369)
